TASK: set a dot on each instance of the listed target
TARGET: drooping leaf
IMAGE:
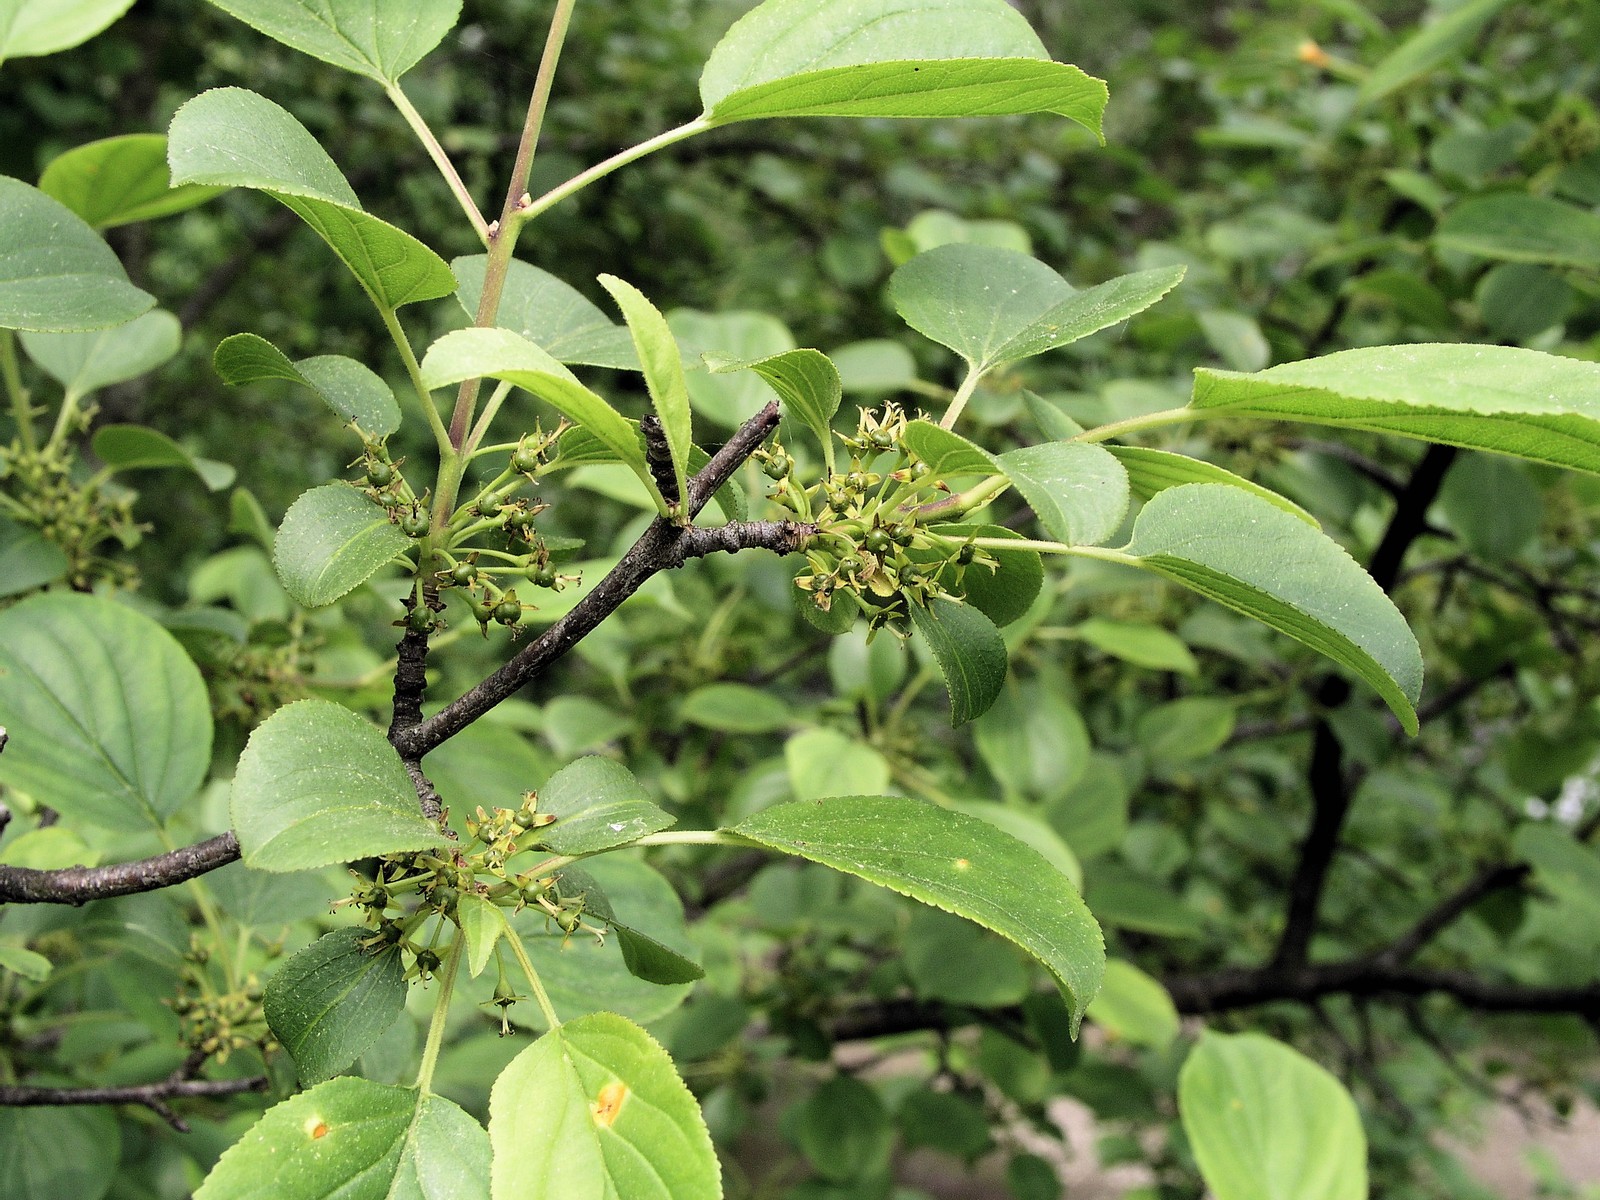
(1251, 556)
(1518, 227)
(729, 399)
(318, 784)
(85, 362)
(1448, 34)
(806, 381)
(1499, 398)
(947, 454)
(357, 1140)
(29, 964)
(951, 861)
(330, 1002)
(234, 138)
(1151, 471)
(29, 28)
(1002, 593)
(595, 1108)
(970, 652)
(502, 354)
(118, 180)
(549, 312)
(663, 373)
(1134, 1008)
(1267, 1123)
(56, 274)
(890, 58)
(483, 924)
(139, 448)
(1078, 491)
(381, 39)
(653, 961)
(78, 1150)
(28, 560)
(351, 390)
(994, 306)
(331, 541)
(108, 717)
(598, 805)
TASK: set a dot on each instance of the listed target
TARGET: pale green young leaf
(1030, 830)
(359, 1140)
(381, 39)
(231, 137)
(503, 354)
(28, 560)
(140, 448)
(78, 1150)
(1448, 34)
(331, 1001)
(1254, 558)
(598, 805)
(947, 454)
(353, 391)
(332, 540)
(951, 861)
(1151, 471)
(969, 650)
(318, 784)
(1138, 643)
(806, 381)
(118, 180)
(890, 58)
(108, 718)
(1518, 227)
(825, 762)
(30, 28)
(1078, 491)
(483, 924)
(663, 373)
(549, 312)
(56, 274)
(595, 1108)
(1267, 1123)
(735, 708)
(1134, 1008)
(874, 365)
(29, 964)
(86, 362)
(729, 399)
(1499, 398)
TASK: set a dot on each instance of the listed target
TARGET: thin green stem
(490, 411)
(964, 502)
(21, 410)
(959, 400)
(458, 187)
(391, 322)
(1100, 552)
(441, 1012)
(1167, 416)
(621, 159)
(68, 410)
(696, 837)
(539, 994)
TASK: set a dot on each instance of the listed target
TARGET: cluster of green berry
(217, 1019)
(44, 490)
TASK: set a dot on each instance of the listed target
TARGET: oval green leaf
(947, 454)
(663, 373)
(352, 390)
(1151, 471)
(29, 28)
(318, 784)
(85, 362)
(952, 861)
(598, 805)
(331, 541)
(27, 559)
(806, 381)
(1078, 491)
(109, 719)
(595, 1108)
(330, 1002)
(550, 313)
(1002, 593)
(735, 708)
(1134, 1008)
(140, 448)
(381, 39)
(119, 180)
(969, 650)
(1519, 227)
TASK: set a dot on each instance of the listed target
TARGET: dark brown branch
(1439, 918)
(79, 885)
(663, 546)
(153, 1096)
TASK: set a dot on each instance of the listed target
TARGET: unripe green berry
(777, 466)
(414, 524)
(542, 574)
(380, 474)
(463, 573)
(509, 610)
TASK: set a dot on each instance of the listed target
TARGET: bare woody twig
(79, 885)
(154, 1096)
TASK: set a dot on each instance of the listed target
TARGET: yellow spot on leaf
(962, 864)
(609, 1103)
(316, 1128)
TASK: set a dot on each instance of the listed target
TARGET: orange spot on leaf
(609, 1103)
(316, 1128)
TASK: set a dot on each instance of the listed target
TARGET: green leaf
(1445, 36)
(1151, 471)
(890, 58)
(735, 708)
(1492, 505)
(86, 362)
(1518, 227)
(1134, 1008)
(653, 961)
(843, 1130)
(234, 138)
(730, 400)
(29, 28)
(351, 390)
(502, 354)
(58, 1153)
(1567, 868)
(1004, 593)
(1499, 398)
(356, 1140)
(970, 652)
(806, 381)
(549, 312)
(108, 718)
(56, 274)
(1254, 558)
(1033, 741)
(598, 805)
(381, 39)
(1267, 1123)
(27, 559)
(874, 365)
(1138, 643)
(663, 373)
(825, 762)
(1031, 831)
(1078, 491)
(119, 180)
(331, 541)
(947, 454)
(19, 960)
(140, 448)
(1519, 301)
(330, 1002)
(994, 306)
(483, 923)
(318, 784)
(951, 861)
